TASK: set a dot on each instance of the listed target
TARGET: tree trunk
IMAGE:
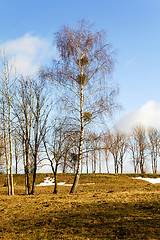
(10, 148)
(35, 155)
(8, 179)
(100, 163)
(24, 163)
(81, 167)
(27, 166)
(141, 165)
(34, 174)
(121, 165)
(6, 154)
(107, 162)
(115, 166)
(76, 179)
(55, 180)
(92, 163)
(16, 159)
(154, 161)
(65, 163)
(94, 171)
(135, 167)
(87, 160)
(16, 156)
(121, 161)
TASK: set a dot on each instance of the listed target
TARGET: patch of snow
(68, 184)
(151, 180)
(61, 183)
(47, 182)
(50, 182)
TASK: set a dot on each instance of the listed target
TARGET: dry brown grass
(115, 207)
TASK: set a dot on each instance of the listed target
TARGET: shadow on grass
(91, 221)
(112, 222)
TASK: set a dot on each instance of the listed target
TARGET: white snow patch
(47, 182)
(151, 180)
(50, 181)
(61, 183)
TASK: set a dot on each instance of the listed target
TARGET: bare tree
(116, 143)
(106, 148)
(96, 151)
(2, 158)
(70, 146)
(40, 110)
(134, 150)
(7, 80)
(23, 113)
(85, 61)
(5, 139)
(17, 148)
(56, 145)
(113, 141)
(154, 140)
(123, 147)
(87, 156)
(100, 148)
(31, 109)
(139, 135)
(90, 151)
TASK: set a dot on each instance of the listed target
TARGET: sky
(133, 28)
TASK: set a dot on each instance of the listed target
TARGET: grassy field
(115, 207)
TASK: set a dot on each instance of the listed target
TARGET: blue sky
(133, 28)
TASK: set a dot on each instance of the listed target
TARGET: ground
(115, 207)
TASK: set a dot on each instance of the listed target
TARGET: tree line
(53, 115)
(141, 145)
(32, 130)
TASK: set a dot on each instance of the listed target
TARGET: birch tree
(2, 160)
(140, 137)
(31, 110)
(123, 147)
(40, 110)
(23, 113)
(85, 60)
(113, 140)
(116, 143)
(7, 80)
(154, 141)
(134, 150)
(57, 143)
(106, 148)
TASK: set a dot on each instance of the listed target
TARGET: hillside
(115, 207)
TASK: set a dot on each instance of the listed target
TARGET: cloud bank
(148, 115)
(28, 53)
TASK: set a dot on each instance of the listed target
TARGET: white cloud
(148, 115)
(28, 52)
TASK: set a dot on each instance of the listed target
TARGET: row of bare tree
(31, 130)
(33, 139)
(142, 146)
(25, 109)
